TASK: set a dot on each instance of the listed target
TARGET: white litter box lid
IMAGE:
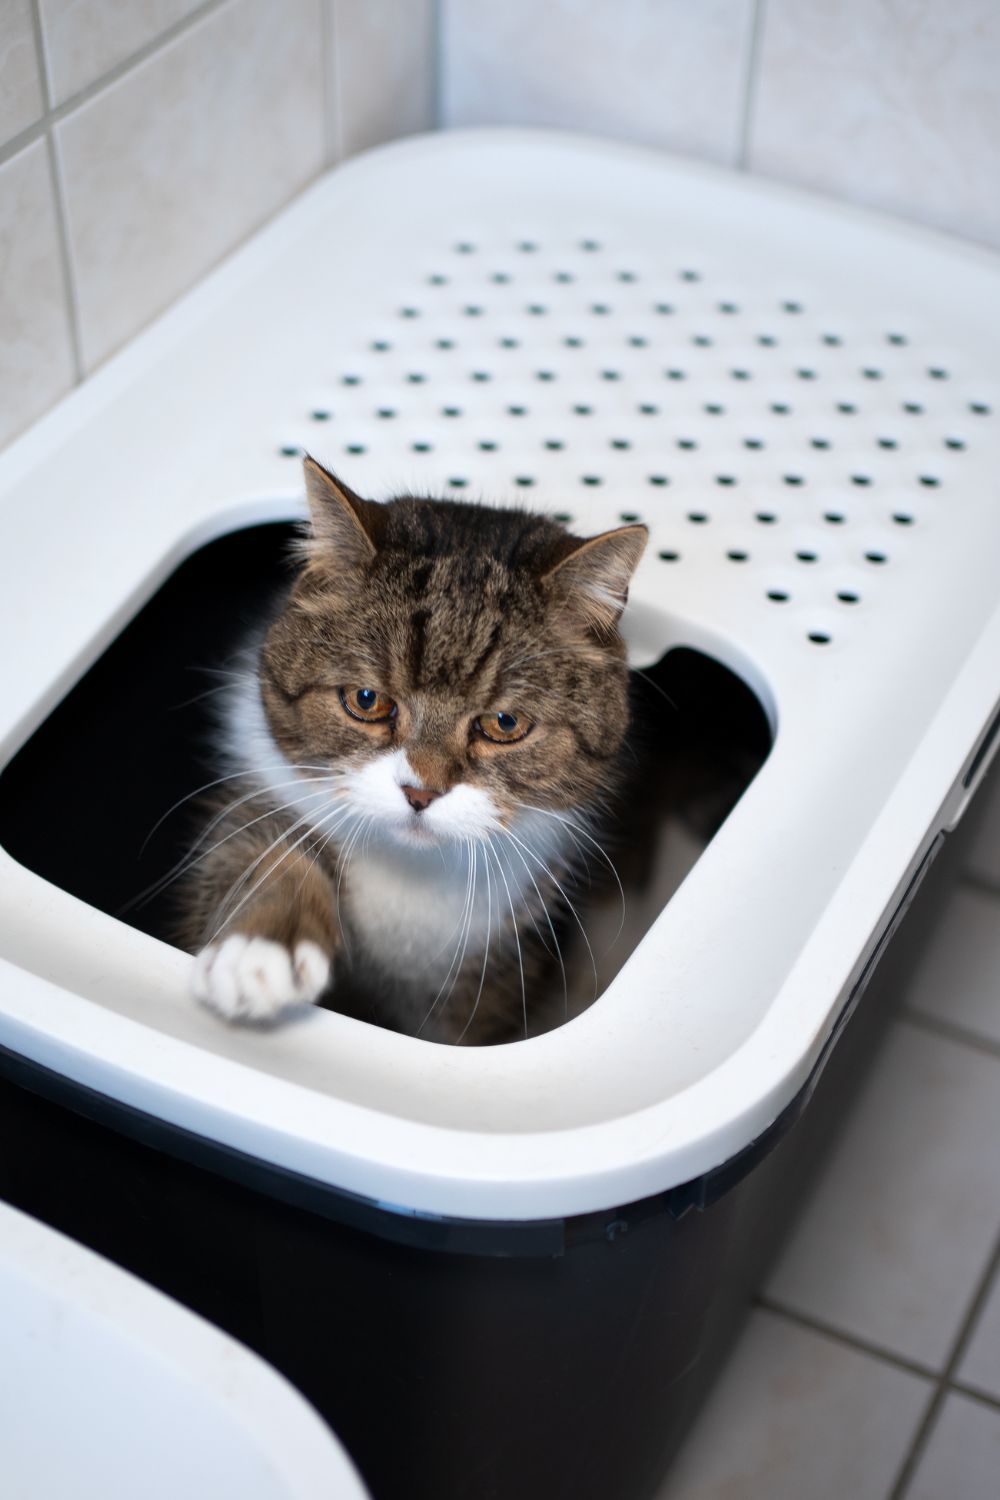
(801, 400)
(109, 1390)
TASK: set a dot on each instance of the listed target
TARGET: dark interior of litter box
(97, 801)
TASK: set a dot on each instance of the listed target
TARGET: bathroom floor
(870, 1365)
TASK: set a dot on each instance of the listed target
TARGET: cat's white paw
(254, 979)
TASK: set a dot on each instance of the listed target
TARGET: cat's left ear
(594, 577)
(344, 527)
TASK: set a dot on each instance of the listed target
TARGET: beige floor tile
(796, 1416)
(962, 1458)
(904, 1217)
(959, 979)
(980, 1364)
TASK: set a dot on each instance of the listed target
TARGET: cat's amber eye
(502, 728)
(367, 704)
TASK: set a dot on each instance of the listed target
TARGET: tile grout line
(750, 85)
(53, 114)
(950, 1030)
(437, 85)
(58, 200)
(946, 1381)
(841, 1336)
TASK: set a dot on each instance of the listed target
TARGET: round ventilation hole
(690, 275)
(563, 277)
(725, 479)
(380, 346)
(386, 413)
(629, 515)
(517, 411)
(611, 374)
(590, 245)
(464, 247)
(913, 408)
(753, 442)
(444, 343)
(527, 247)
(793, 479)
(537, 309)
(861, 479)
(350, 379)
(806, 374)
(355, 448)
(600, 309)
(779, 596)
(573, 342)
(876, 557)
(834, 517)
(627, 276)
(668, 556)
(545, 374)
(936, 372)
(416, 378)
(871, 373)
(647, 410)
(321, 415)
(740, 375)
(765, 517)
(807, 557)
(591, 479)
(899, 339)
(524, 480)
(663, 308)
(488, 445)
(563, 517)
(702, 341)
(832, 340)
(500, 278)
(687, 444)
(583, 411)
(713, 409)
(409, 312)
(738, 557)
(903, 518)
(848, 596)
(438, 280)
(290, 450)
(638, 342)
(820, 637)
(421, 447)
(780, 408)
(930, 481)
(728, 307)
(697, 518)
(451, 411)
(554, 445)
(980, 408)
(958, 444)
(481, 376)
(847, 408)
(621, 444)
(888, 442)
(659, 479)
(791, 307)
(675, 374)
(767, 340)
(458, 484)
(821, 443)
(473, 310)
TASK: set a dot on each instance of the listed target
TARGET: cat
(419, 755)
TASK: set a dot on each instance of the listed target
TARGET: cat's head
(455, 664)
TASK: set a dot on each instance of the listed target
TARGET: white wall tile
(796, 1416)
(901, 1225)
(174, 164)
(893, 103)
(959, 977)
(665, 72)
(384, 69)
(962, 1458)
(980, 1364)
(20, 86)
(85, 38)
(36, 366)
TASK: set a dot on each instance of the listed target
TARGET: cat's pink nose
(419, 797)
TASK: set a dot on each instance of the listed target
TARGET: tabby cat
(418, 761)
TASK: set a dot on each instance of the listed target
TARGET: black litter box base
(559, 1361)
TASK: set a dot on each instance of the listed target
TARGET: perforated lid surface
(799, 400)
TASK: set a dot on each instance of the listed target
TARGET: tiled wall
(141, 140)
(893, 103)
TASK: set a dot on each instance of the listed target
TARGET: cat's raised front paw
(254, 979)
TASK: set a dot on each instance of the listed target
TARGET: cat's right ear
(345, 528)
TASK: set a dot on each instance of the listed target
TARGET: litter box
(508, 1271)
(109, 1390)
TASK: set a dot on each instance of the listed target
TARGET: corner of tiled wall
(140, 143)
